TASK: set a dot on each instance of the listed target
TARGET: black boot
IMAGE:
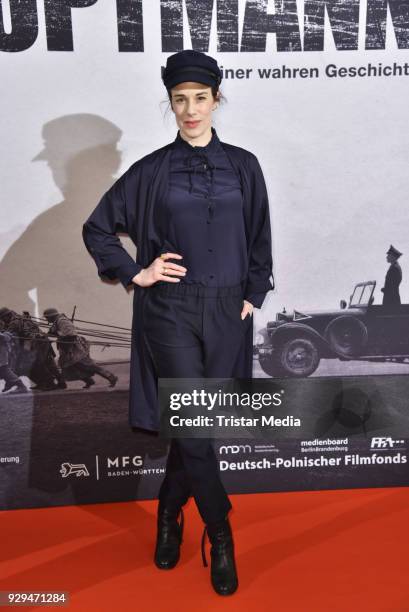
(88, 382)
(169, 538)
(61, 384)
(113, 380)
(223, 573)
(21, 388)
(8, 385)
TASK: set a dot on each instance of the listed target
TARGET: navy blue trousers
(194, 331)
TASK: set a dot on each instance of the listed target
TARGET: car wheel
(299, 357)
(346, 336)
(270, 366)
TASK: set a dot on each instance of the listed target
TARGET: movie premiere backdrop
(318, 90)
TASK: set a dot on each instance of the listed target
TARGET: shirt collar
(211, 146)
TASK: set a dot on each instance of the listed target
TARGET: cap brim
(189, 77)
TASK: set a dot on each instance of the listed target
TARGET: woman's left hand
(247, 310)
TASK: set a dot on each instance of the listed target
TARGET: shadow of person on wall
(81, 151)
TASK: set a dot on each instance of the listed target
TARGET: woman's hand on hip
(160, 269)
(247, 309)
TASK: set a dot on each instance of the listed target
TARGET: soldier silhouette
(393, 278)
(74, 360)
(8, 350)
(34, 354)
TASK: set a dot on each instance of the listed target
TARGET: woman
(197, 209)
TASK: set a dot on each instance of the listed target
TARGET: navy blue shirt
(205, 216)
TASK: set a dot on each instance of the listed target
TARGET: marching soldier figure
(393, 278)
(74, 359)
(7, 358)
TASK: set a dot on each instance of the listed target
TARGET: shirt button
(211, 276)
(205, 166)
(210, 250)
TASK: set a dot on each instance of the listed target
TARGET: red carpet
(306, 552)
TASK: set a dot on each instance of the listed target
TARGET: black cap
(50, 312)
(4, 311)
(190, 65)
(394, 252)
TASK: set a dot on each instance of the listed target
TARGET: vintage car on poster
(295, 342)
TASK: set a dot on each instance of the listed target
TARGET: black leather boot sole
(169, 539)
(223, 572)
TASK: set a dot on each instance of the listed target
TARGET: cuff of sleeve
(256, 299)
(127, 272)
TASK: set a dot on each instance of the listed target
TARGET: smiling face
(193, 104)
